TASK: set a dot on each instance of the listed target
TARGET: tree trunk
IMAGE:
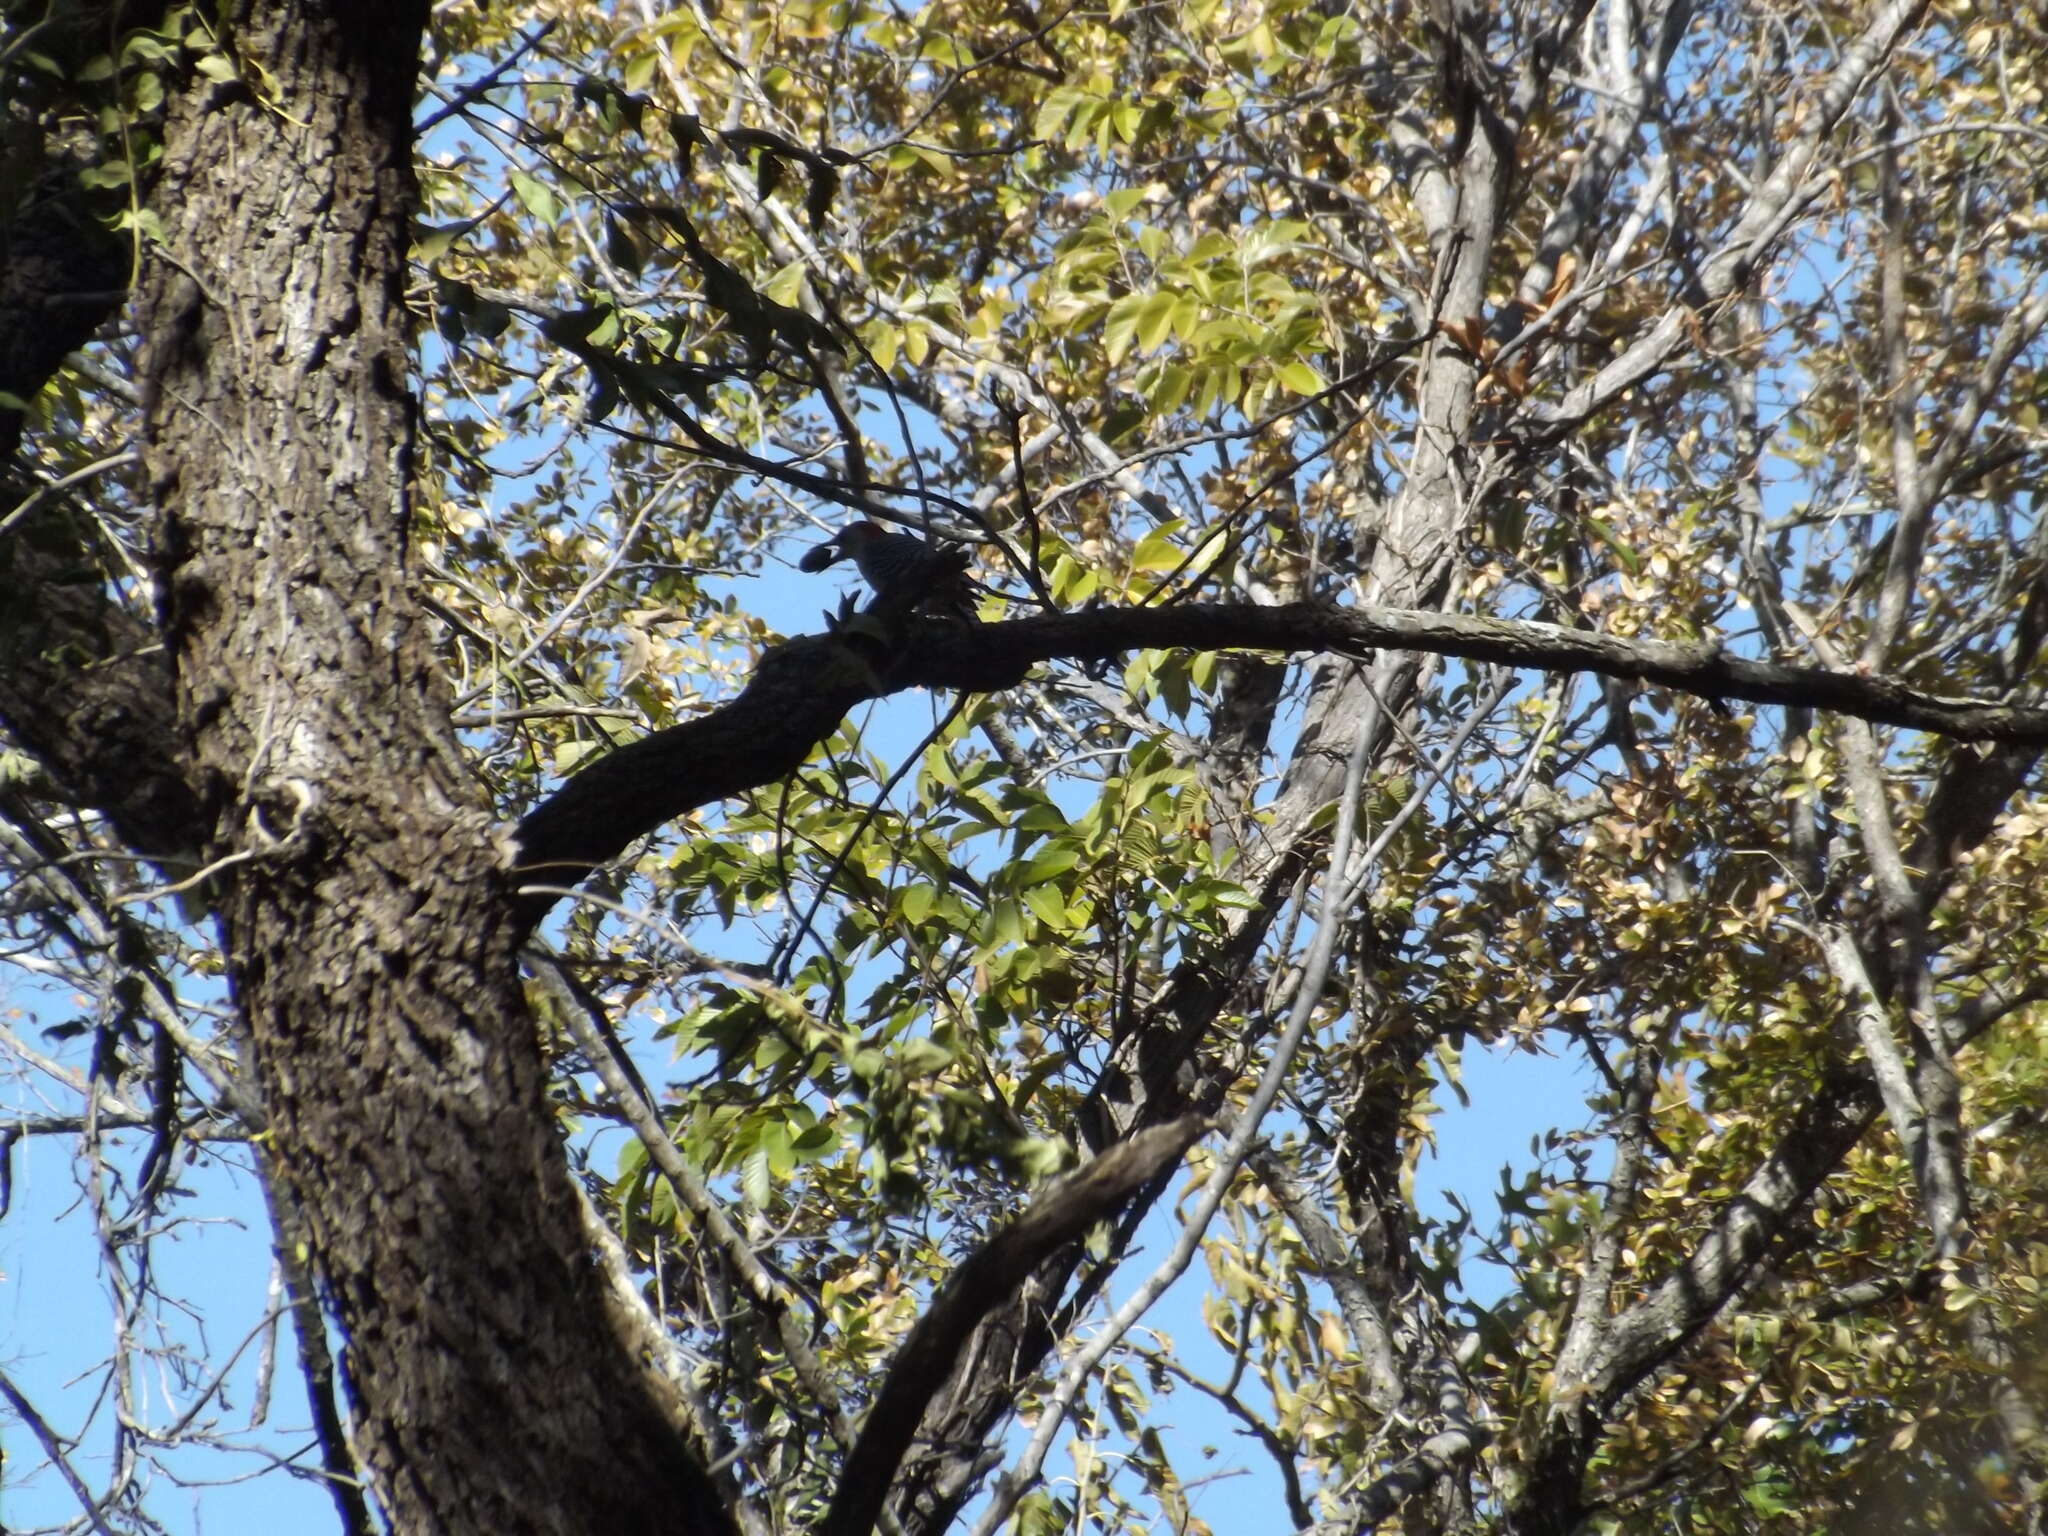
(365, 913)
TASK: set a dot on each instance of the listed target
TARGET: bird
(905, 572)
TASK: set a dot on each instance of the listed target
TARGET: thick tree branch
(85, 687)
(1062, 1213)
(802, 690)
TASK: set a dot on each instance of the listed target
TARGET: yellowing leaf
(1301, 377)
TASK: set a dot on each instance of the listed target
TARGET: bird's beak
(816, 559)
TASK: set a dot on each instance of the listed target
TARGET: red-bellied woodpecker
(902, 568)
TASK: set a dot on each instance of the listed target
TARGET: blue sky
(56, 1326)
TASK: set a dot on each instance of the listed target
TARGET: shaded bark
(63, 272)
(80, 680)
(83, 685)
(62, 276)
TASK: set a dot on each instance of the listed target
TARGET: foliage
(1264, 299)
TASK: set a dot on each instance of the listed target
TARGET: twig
(47, 1438)
(462, 100)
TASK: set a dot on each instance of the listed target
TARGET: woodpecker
(901, 568)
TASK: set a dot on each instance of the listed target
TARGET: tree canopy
(1499, 529)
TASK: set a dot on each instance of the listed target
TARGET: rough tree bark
(363, 901)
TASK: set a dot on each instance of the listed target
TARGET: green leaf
(1121, 326)
(632, 1158)
(1155, 320)
(814, 1143)
(882, 341)
(775, 1144)
(1118, 204)
(536, 197)
(1156, 551)
(787, 285)
(1005, 923)
(755, 1182)
(1054, 860)
(1048, 904)
(1053, 112)
(918, 901)
(1073, 582)
(1173, 686)
(107, 174)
